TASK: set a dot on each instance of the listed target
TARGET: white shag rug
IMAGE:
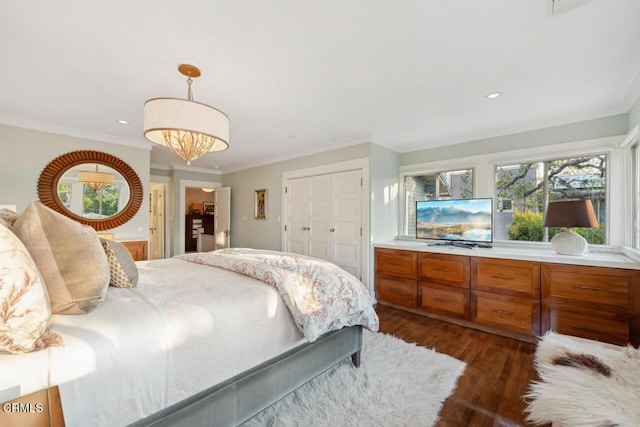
(397, 384)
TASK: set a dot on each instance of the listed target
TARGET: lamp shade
(95, 180)
(189, 128)
(570, 213)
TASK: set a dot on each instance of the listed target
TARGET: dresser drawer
(137, 249)
(593, 287)
(516, 314)
(447, 300)
(397, 290)
(518, 278)
(597, 325)
(450, 270)
(396, 262)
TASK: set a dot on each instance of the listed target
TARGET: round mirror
(93, 188)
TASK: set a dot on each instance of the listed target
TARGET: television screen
(464, 220)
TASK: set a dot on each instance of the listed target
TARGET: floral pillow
(8, 217)
(24, 304)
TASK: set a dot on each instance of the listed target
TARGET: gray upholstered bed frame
(241, 397)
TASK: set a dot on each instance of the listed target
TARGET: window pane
(582, 178)
(521, 188)
(523, 191)
(101, 203)
(436, 186)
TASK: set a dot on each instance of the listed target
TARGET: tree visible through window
(102, 203)
(526, 189)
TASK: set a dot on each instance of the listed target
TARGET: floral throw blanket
(320, 295)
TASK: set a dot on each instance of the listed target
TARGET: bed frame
(236, 400)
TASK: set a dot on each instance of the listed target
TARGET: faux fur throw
(584, 383)
(583, 361)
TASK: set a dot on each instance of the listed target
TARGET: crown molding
(631, 138)
(77, 133)
(161, 166)
(297, 154)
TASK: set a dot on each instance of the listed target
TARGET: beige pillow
(122, 267)
(69, 256)
(24, 304)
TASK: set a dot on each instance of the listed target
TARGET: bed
(203, 339)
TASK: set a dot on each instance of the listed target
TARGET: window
(102, 203)
(64, 192)
(523, 191)
(434, 186)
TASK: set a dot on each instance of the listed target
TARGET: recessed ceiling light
(123, 122)
(494, 95)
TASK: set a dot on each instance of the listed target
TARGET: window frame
(483, 165)
(402, 223)
(635, 198)
(546, 192)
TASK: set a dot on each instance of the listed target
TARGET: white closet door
(319, 216)
(324, 218)
(346, 223)
(297, 215)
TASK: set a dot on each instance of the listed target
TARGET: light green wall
(24, 153)
(384, 185)
(591, 129)
(634, 115)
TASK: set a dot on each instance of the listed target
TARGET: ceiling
(297, 77)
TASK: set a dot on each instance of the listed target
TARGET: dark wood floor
(498, 371)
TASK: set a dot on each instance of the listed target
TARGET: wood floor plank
(498, 371)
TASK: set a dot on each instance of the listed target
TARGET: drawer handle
(443, 269)
(584, 328)
(504, 313)
(442, 300)
(498, 276)
(588, 288)
(394, 290)
(394, 263)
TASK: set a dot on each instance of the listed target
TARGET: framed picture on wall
(261, 204)
(209, 208)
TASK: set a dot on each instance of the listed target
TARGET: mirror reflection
(93, 191)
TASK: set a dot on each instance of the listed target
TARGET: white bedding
(105, 367)
(185, 328)
(245, 319)
(205, 324)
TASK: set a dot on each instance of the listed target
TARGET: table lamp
(570, 213)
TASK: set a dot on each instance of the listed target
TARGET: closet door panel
(346, 210)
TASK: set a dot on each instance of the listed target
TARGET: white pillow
(25, 312)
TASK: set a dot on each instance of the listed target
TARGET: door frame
(363, 165)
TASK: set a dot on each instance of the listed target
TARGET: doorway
(158, 220)
(222, 215)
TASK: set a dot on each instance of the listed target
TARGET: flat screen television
(463, 221)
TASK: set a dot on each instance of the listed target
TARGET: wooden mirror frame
(51, 174)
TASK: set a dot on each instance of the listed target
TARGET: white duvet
(185, 328)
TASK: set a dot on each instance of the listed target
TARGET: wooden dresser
(137, 248)
(516, 295)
